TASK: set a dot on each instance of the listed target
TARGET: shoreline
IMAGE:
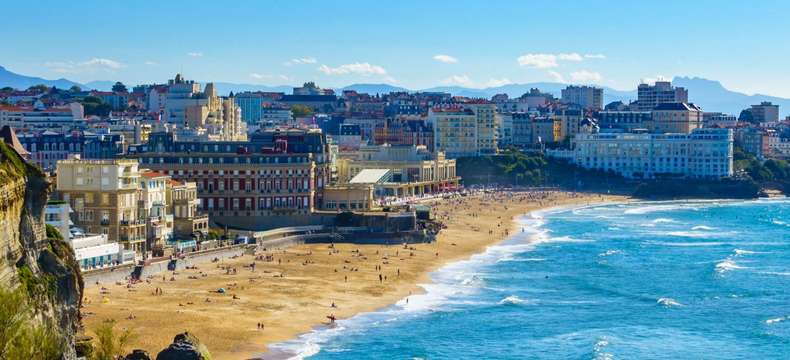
(229, 327)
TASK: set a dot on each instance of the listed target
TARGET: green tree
(119, 87)
(75, 88)
(301, 110)
(20, 337)
(38, 88)
(6, 89)
(95, 106)
(109, 345)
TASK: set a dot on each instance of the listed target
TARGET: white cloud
(364, 69)
(298, 61)
(586, 76)
(102, 62)
(548, 61)
(151, 63)
(447, 59)
(461, 80)
(539, 61)
(90, 65)
(557, 76)
(570, 57)
(195, 54)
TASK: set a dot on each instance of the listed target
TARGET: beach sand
(294, 291)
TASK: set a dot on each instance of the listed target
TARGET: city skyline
(414, 45)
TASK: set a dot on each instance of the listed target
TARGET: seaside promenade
(239, 305)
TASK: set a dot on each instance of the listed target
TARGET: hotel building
(240, 183)
(704, 153)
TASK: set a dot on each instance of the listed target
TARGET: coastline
(303, 281)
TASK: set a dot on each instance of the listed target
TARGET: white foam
(727, 265)
(741, 252)
(599, 349)
(691, 234)
(655, 208)
(687, 244)
(513, 300)
(611, 252)
(703, 227)
(777, 320)
(668, 302)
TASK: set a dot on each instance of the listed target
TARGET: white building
(704, 153)
(95, 251)
(57, 214)
(91, 251)
(29, 118)
(588, 97)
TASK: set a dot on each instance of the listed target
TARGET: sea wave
(599, 350)
(668, 302)
(656, 208)
(703, 227)
(727, 265)
(777, 320)
(514, 300)
(610, 252)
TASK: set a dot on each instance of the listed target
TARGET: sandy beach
(288, 292)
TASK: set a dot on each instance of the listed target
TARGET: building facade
(588, 97)
(104, 195)
(650, 96)
(239, 183)
(704, 153)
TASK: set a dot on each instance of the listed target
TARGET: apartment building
(104, 195)
(588, 97)
(650, 96)
(468, 129)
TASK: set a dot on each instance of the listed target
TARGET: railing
(132, 222)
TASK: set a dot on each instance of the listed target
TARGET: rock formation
(43, 267)
(185, 346)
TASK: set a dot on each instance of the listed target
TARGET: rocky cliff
(42, 267)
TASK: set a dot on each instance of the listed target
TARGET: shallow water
(666, 280)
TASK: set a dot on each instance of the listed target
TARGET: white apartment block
(703, 153)
(467, 130)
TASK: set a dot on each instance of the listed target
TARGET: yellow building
(104, 195)
(414, 170)
(204, 113)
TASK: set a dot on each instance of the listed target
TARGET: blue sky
(416, 44)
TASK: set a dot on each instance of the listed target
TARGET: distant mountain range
(709, 94)
(17, 81)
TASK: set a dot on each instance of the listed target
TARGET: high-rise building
(588, 97)
(765, 112)
(455, 131)
(650, 96)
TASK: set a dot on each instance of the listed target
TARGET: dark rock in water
(185, 347)
(138, 354)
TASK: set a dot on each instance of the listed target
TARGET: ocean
(646, 280)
